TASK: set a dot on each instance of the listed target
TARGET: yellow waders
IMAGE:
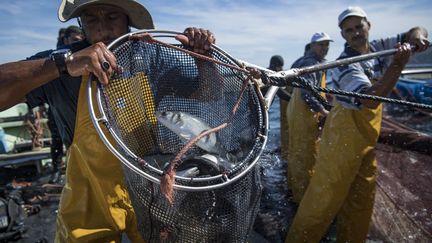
(343, 183)
(283, 128)
(303, 134)
(94, 206)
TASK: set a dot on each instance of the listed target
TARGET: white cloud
(248, 30)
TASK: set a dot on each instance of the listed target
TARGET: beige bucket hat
(139, 16)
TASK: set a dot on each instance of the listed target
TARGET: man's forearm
(19, 78)
(384, 86)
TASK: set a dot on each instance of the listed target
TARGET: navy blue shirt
(61, 95)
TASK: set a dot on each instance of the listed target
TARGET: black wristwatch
(59, 57)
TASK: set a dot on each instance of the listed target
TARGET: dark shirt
(60, 95)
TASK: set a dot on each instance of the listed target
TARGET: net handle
(281, 78)
(97, 121)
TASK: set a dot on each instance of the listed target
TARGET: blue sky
(251, 30)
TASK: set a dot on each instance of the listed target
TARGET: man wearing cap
(276, 63)
(95, 206)
(343, 183)
(303, 114)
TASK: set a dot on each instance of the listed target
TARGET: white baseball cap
(320, 36)
(351, 11)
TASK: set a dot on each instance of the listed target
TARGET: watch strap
(60, 57)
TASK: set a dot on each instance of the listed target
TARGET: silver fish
(223, 164)
(207, 165)
(187, 126)
(192, 165)
(189, 172)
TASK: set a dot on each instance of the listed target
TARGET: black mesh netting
(157, 79)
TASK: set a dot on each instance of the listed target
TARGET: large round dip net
(189, 130)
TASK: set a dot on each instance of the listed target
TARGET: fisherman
(95, 206)
(343, 183)
(276, 63)
(304, 113)
(72, 34)
(67, 36)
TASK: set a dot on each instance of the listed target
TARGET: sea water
(276, 209)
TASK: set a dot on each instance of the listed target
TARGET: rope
(315, 92)
(300, 82)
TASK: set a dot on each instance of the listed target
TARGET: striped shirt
(359, 77)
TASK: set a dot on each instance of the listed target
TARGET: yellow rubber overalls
(303, 133)
(94, 206)
(343, 182)
(283, 129)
